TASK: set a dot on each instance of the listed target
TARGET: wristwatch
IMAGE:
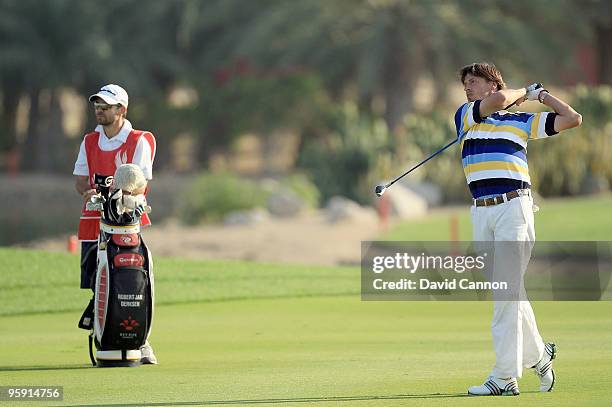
(542, 94)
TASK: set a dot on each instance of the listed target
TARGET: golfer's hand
(533, 91)
(521, 100)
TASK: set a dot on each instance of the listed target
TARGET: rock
(406, 204)
(249, 217)
(284, 203)
(594, 184)
(432, 193)
(342, 209)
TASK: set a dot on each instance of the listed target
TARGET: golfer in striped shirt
(494, 155)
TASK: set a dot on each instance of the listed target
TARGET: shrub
(214, 195)
(304, 188)
(341, 160)
(566, 163)
(336, 172)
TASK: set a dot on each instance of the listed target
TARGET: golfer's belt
(496, 200)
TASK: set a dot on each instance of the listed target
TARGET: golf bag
(120, 314)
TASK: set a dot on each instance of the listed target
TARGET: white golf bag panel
(101, 294)
(152, 285)
(117, 356)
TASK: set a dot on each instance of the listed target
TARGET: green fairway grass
(236, 333)
(54, 277)
(558, 219)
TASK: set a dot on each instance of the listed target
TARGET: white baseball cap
(112, 94)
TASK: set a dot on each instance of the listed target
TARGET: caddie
(112, 143)
(494, 156)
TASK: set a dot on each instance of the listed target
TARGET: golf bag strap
(91, 355)
(86, 321)
(87, 253)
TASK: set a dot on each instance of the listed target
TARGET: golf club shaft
(510, 105)
(539, 85)
(421, 163)
(433, 155)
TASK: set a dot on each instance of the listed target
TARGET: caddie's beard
(103, 120)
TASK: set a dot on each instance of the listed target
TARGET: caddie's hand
(88, 194)
(533, 91)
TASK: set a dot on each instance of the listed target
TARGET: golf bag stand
(120, 314)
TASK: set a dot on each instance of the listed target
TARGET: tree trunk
(31, 144)
(54, 156)
(398, 92)
(399, 83)
(438, 64)
(45, 138)
(603, 33)
(399, 80)
(89, 87)
(10, 103)
(204, 150)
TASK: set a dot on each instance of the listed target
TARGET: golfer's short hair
(484, 70)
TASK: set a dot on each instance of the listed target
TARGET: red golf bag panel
(102, 296)
(129, 240)
(128, 260)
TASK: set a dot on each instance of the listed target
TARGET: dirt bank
(307, 239)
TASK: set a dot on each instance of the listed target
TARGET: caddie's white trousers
(516, 339)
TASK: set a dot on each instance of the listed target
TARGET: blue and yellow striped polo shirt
(494, 148)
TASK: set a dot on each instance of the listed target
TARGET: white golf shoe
(147, 357)
(495, 386)
(544, 370)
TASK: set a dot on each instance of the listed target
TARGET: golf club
(380, 189)
(538, 86)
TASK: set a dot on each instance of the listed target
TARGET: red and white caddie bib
(105, 163)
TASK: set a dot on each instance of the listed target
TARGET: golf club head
(380, 189)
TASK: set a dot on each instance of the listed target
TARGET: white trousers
(516, 339)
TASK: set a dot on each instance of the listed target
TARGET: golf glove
(533, 91)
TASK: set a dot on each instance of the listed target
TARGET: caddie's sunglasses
(102, 106)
